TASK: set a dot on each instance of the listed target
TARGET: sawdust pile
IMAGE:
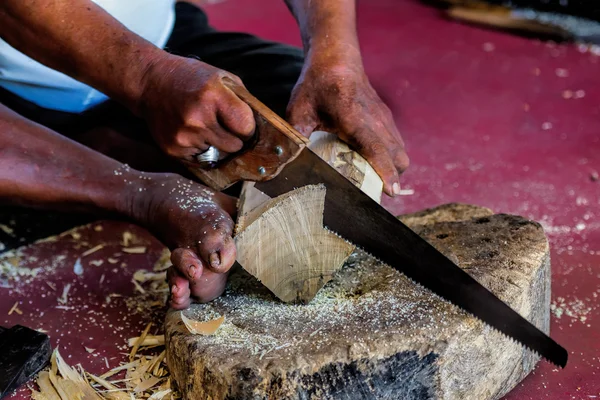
(145, 376)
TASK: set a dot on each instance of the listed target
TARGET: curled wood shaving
(202, 328)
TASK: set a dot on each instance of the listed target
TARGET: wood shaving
(112, 260)
(146, 377)
(98, 228)
(89, 350)
(7, 229)
(164, 261)
(65, 293)
(134, 250)
(96, 263)
(15, 308)
(92, 250)
(63, 382)
(145, 276)
(139, 341)
(128, 238)
(149, 340)
(138, 287)
(202, 327)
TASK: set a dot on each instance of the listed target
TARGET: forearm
(39, 168)
(328, 27)
(80, 39)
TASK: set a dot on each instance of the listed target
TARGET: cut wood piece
(347, 162)
(371, 333)
(285, 246)
(282, 241)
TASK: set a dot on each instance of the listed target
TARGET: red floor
(486, 122)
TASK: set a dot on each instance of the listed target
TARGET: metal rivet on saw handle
(261, 170)
(278, 150)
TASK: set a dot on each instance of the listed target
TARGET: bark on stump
(370, 333)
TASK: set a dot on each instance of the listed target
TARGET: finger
(223, 139)
(210, 286)
(235, 116)
(187, 264)
(400, 158)
(302, 116)
(376, 153)
(395, 144)
(179, 288)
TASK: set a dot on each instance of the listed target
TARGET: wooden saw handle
(275, 143)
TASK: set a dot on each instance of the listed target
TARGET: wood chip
(112, 260)
(202, 328)
(89, 350)
(96, 263)
(134, 250)
(98, 228)
(15, 308)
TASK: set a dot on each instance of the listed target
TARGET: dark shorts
(269, 70)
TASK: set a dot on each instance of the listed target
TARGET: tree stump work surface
(371, 333)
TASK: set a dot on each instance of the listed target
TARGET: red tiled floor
(486, 123)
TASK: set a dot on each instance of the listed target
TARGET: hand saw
(279, 161)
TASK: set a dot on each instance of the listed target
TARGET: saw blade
(360, 220)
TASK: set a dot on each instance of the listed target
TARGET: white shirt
(151, 19)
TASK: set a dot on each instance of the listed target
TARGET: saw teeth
(510, 338)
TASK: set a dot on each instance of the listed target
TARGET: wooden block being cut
(282, 241)
(371, 333)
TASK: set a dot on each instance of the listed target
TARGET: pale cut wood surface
(282, 241)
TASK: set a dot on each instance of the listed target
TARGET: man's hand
(338, 98)
(188, 108)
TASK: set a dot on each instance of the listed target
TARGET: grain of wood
(282, 241)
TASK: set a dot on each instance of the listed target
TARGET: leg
(269, 70)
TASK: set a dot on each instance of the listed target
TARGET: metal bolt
(262, 170)
(278, 150)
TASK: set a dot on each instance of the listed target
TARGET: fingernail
(396, 189)
(192, 270)
(173, 289)
(215, 261)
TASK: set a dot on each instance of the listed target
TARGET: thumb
(301, 114)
